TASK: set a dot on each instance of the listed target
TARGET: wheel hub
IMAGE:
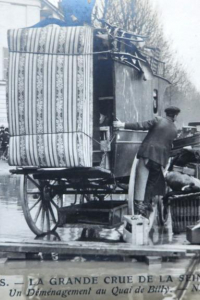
(46, 197)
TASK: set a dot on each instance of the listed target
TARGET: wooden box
(136, 230)
(193, 234)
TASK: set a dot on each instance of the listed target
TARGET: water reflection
(54, 236)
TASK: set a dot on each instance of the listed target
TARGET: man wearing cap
(153, 154)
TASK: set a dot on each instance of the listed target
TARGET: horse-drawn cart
(66, 86)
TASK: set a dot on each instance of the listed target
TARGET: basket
(185, 211)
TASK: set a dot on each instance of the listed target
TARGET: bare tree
(140, 17)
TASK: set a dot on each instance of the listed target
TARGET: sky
(181, 24)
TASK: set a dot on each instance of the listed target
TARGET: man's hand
(118, 124)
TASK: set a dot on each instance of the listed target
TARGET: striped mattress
(50, 96)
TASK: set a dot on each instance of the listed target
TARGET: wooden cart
(44, 193)
(128, 84)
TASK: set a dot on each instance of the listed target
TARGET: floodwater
(13, 224)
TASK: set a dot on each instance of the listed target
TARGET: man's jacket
(158, 141)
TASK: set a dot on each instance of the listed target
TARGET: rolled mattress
(50, 96)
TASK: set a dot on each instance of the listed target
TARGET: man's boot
(141, 208)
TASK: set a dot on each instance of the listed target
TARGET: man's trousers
(149, 180)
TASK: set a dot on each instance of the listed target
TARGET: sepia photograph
(99, 149)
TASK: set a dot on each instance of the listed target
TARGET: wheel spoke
(31, 192)
(53, 183)
(54, 204)
(48, 221)
(52, 214)
(33, 181)
(38, 213)
(34, 204)
(42, 220)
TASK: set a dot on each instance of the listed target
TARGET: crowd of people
(4, 142)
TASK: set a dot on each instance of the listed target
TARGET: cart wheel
(39, 207)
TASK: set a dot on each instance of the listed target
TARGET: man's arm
(146, 125)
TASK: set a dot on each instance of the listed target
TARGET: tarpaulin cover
(50, 91)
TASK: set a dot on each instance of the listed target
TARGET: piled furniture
(184, 196)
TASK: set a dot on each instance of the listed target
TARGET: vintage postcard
(99, 149)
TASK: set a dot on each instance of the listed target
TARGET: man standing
(153, 154)
(5, 142)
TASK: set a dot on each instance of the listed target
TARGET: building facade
(18, 14)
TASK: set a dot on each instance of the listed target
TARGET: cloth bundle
(50, 96)
(186, 156)
(177, 181)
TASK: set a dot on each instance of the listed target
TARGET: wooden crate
(193, 235)
(136, 230)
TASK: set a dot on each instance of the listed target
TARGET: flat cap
(172, 109)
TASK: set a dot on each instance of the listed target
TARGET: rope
(63, 54)
(81, 54)
(105, 153)
(114, 135)
(51, 133)
(32, 134)
(84, 54)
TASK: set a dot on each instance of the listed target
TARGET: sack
(176, 181)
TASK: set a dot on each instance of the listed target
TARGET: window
(5, 63)
(155, 101)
